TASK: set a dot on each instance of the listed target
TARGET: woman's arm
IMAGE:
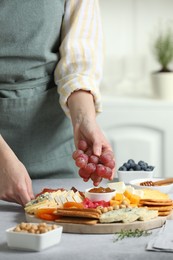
(85, 127)
(81, 52)
(79, 72)
(83, 116)
(15, 183)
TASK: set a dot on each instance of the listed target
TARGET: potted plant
(162, 80)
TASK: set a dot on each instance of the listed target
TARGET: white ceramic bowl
(127, 176)
(106, 196)
(33, 242)
(164, 188)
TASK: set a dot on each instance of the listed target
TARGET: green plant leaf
(163, 49)
(130, 233)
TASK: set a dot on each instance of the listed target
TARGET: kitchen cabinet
(140, 129)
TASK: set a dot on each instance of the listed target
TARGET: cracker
(156, 203)
(164, 213)
(73, 220)
(81, 209)
(161, 208)
(82, 213)
(155, 195)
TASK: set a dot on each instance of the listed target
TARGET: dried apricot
(71, 204)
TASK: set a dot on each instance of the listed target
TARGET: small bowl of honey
(100, 193)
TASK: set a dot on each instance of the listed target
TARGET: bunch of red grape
(92, 166)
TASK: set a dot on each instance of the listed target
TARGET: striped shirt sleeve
(81, 51)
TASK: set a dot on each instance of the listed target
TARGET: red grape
(81, 162)
(110, 164)
(82, 145)
(105, 157)
(95, 178)
(90, 168)
(108, 173)
(89, 151)
(93, 159)
(84, 174)
(76, 154)
(100, 170)
(85, 179)
(83, 155)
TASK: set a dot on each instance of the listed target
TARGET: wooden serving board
(104, 228)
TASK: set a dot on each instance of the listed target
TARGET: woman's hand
(15, 183)
(93, 165)
(85, 127)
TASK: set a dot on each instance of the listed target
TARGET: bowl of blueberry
(131, 170)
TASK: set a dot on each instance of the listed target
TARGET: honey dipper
(157, 183)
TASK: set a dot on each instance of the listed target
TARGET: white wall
(129, 26)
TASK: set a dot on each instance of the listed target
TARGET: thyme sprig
(130, 233)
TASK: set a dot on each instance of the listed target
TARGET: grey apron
(31, 119)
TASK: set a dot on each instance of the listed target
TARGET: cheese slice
(63, 198)
(120, 186)
(43, 204)
(128, 215)
(77, 197)
(53, 199)
(69, 196)
(139, 193)
(130, 189)
(124, 215)
(58, 201)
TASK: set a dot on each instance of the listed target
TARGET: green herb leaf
(130, 233)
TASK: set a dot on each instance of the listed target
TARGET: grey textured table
(74, 246)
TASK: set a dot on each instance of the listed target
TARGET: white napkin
(163, 241)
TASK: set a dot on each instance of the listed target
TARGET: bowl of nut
(33, 236)
(131, 170)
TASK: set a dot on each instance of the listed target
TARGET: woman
(50, 69)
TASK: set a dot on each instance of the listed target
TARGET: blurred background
(137, 116)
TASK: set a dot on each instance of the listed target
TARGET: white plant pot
(162, 83)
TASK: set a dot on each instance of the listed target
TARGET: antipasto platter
(76, 212)
(105, 228)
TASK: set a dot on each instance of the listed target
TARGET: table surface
(74, 246)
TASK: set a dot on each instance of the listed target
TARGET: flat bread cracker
(156, 203)
(164, 213)
(160, 208)
(155, 195)
(73, 220)
(82, 213)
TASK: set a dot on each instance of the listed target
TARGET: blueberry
(141, 163)
(137, 167)
(132, 163)
(127, 165)
(122, 168)
(150, 168)
(144, 166)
